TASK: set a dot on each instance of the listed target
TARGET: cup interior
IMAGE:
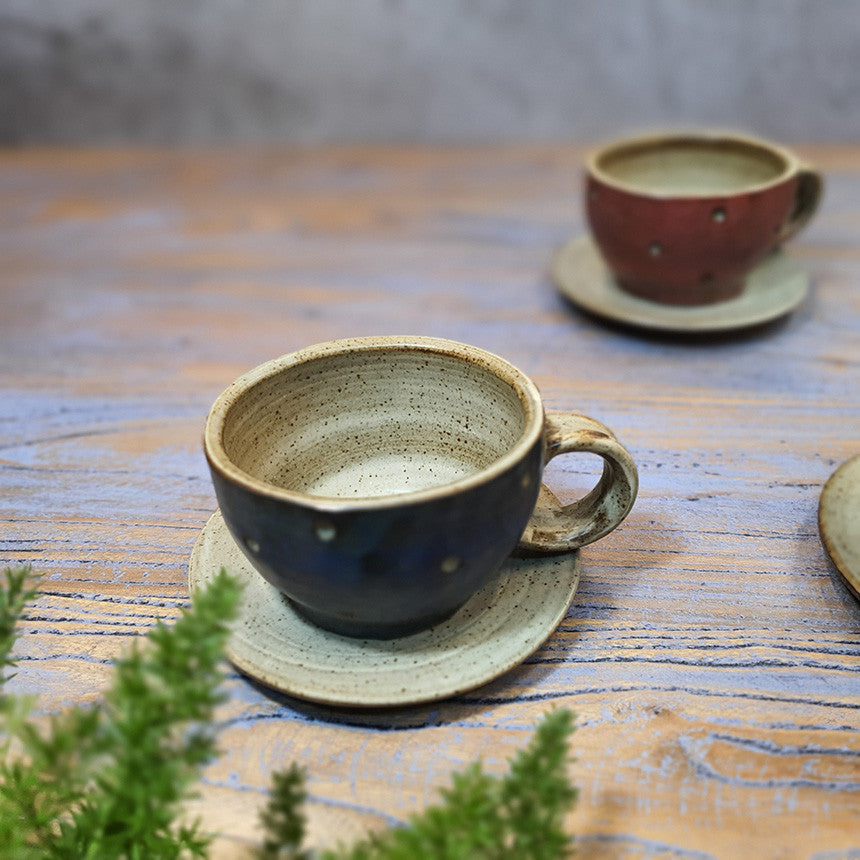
(692, 166)
(373, 422)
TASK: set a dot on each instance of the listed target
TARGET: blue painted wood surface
(712, 652)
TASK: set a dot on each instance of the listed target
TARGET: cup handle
(554, 527)
(807, 196)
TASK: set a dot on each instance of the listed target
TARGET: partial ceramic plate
(839, 521)
(775, 287)
(496, 630)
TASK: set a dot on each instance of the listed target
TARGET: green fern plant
(109, 781)
(518, 816)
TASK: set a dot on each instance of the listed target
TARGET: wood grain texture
(712, 652)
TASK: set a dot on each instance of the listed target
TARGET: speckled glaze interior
(692, 166)
(373, 422)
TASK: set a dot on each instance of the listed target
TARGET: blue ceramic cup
(379, 482)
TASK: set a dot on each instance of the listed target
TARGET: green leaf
(283, 819)
(14, 597)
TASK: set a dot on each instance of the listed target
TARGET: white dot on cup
(325, 530)
(655, 249)
(252, 545)
(718, 215)
(450, 564)
(526, 481)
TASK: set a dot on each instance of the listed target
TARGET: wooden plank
(712, 653)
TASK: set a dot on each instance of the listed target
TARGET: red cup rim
(597, 158)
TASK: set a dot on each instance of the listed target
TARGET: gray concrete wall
(424, 70)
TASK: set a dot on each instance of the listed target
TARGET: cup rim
(791, 163)
(526, 390)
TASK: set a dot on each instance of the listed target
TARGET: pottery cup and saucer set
(381, 498)
(686, 232)
(381, 501)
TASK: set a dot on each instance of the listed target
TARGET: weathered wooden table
(712, 653)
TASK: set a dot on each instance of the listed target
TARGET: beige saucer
(496, 630)
(839, 521)
(775, 287)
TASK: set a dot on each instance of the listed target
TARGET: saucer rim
(561, 599)
(611, 302)
(850, 575)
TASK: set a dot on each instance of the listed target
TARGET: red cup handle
(810, 186)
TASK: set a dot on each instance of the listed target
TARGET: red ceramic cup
(683, 218)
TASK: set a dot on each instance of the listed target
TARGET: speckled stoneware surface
(380, 482)
(494, 631)
(839, 521)
(774, 287)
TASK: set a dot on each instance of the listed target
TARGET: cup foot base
(688, 295)
(357, 629)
